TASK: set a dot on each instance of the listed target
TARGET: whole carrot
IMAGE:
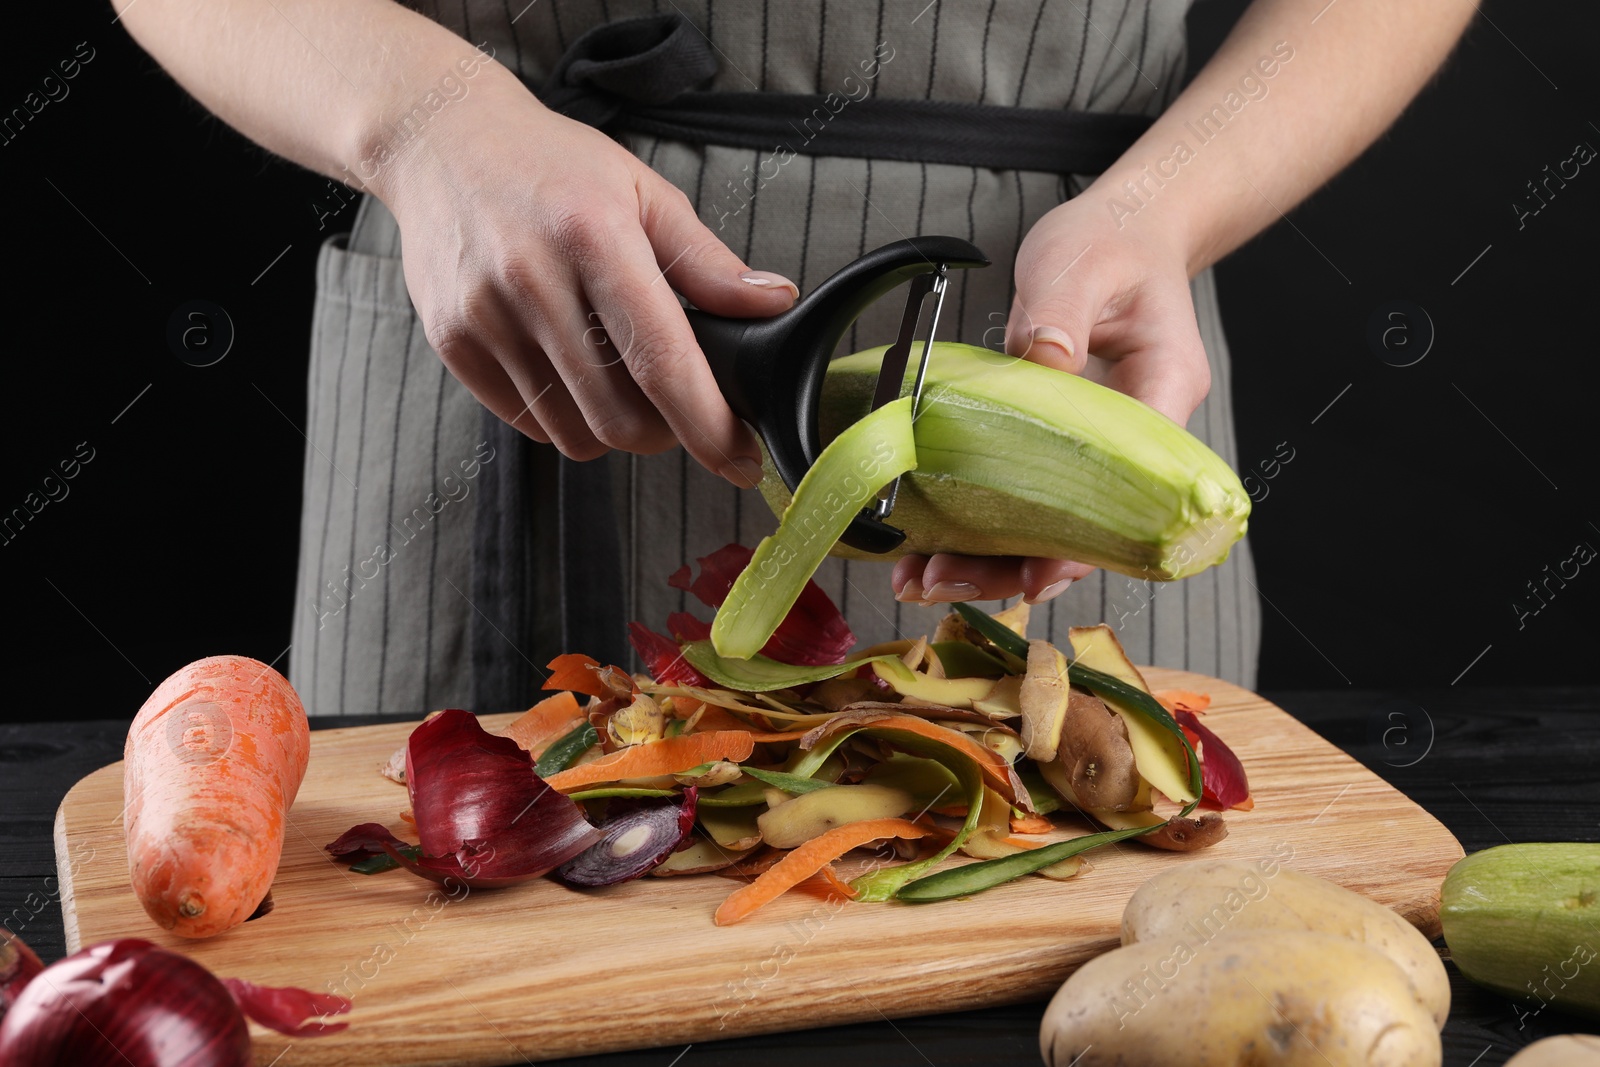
(212, 763)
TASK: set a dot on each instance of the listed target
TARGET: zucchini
(1017, 459)
(1525, 920)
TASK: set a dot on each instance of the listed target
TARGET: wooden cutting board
(538, 971)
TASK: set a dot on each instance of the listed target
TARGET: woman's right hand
(542, 258)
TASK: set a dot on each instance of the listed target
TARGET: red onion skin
(663, 658)
(476, 798)
(812, 633)
(18, 965)
(126, 1003)
(1221, 773)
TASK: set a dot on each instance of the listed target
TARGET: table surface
(1493, 765)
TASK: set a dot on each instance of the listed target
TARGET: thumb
(1050, 322)
(697, 264)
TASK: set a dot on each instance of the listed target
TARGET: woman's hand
(1111, 304)
(542, 258)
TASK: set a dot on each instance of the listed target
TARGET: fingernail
(947, 592)
(765, 279)
(743, 472)
(1050, 592)
(911, 592)
(1049, 335)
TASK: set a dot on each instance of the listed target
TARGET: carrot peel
(550, 719)
(1187, 699)
(810, 858)
(670, 755)
(1031, 824)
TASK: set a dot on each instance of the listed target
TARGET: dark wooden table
(1492, 765)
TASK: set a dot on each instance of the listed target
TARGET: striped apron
(399, 465)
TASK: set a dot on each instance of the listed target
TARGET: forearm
(1282, 107)
(327, 85)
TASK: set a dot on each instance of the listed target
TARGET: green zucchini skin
(1524, 920)
(1017, 459)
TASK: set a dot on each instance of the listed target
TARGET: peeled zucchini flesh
(1014, 458)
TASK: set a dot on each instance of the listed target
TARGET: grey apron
(400, 469)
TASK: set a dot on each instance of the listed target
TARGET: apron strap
(638, 76)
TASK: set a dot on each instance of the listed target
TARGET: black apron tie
(640, 76)
(637, 61)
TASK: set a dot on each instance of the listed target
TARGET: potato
(1568, 1050)
(1281, 998)
(1199, 900)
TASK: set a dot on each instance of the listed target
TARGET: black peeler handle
(771, 370)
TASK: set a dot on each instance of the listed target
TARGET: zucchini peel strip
(845, 478)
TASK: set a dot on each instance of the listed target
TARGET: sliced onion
(638, 838)
(484, 817)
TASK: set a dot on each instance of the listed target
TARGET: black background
(1391, 548)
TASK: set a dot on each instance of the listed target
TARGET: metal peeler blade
(892, 377)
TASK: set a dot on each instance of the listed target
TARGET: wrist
(1138, 200)
(408, 129)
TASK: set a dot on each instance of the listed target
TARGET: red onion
(134, 1004)
(18, 965)
(637, 839)
(484, 817)
(125, 1002)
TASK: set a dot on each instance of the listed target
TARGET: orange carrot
(1031, 824)
(670, 755)
(547, 721)
(803, 862)
(1173, 699)
(577, 672)
(212, 763)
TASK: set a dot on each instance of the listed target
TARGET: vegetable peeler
(771, 370)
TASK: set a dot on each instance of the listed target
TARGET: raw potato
(1285, 999)
(1204, 898)
(1568, 1050)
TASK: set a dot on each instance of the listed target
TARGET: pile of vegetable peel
(855, 774)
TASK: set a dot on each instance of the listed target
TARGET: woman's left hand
(1110, 302)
